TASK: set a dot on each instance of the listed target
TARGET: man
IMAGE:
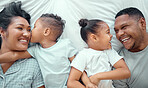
(130, 28)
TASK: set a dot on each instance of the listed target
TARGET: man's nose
(121, 32)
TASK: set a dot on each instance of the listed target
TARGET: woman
(15, 34)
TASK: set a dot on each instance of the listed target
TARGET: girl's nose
(111, 36)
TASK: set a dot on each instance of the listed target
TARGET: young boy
(53, 56)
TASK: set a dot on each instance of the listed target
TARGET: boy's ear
(47, 31)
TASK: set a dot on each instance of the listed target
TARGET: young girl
(97, 59)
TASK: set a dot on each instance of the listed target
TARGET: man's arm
(13, 56)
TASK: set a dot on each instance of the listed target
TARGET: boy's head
(95, 33)
(48, 26)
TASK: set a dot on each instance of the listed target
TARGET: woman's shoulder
(29, 62)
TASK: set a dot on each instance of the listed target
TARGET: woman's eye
(20, 28)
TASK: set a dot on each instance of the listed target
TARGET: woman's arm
(73, 80)
(13, 56)
(121, 72)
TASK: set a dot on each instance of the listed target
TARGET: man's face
(128, 32)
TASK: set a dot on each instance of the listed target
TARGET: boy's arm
(13, 56)
(86, 81)
(121, 72)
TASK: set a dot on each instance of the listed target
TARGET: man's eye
(116, 31)
(124, 27)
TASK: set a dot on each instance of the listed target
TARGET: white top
(137, 63)
(93, 61)
(54, 62)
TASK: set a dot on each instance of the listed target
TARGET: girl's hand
(91, 85)
(94, 79)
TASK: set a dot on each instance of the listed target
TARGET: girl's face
(17, 35)
(103, 37)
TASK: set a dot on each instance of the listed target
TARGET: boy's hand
(94, 80)
(91, 85)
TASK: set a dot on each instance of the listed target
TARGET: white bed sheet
(73, 10)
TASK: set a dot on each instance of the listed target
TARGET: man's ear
(142, 23)
(47, 31)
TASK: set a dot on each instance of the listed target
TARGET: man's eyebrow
(121, 25)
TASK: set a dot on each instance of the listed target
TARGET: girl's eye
(108, 32)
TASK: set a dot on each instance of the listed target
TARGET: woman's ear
(2, 32)
(47, 31)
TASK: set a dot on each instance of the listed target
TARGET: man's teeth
(23, 40)
(124, 40)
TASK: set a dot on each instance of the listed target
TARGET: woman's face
(17, 35)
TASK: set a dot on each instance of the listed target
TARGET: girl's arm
(13, 56)
(121, 72)
(71, 58)
(42, 87)
(73, 80)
